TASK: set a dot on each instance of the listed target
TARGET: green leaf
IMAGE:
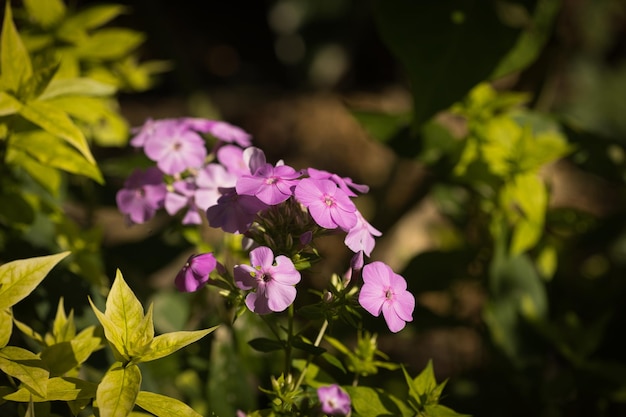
(8, 104)
(51, 151)
(15, 65)
(19, 278)
(532, 40)
(61, 87)
(19, 212)
(94, 16)
(64, 356)
(49, 178)
(446, 47)
(117, 392)
(57, 122)
(263, 344)
(438, 410)
(6, 326)
(368, 401)
(125, 311)
(109, 44)
(45, 12)
(59, 389)
(168, 343)
(162, 406)
(113, 334)
(29, 332)
(331, 359)
(25, 366)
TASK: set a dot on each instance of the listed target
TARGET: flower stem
(288, 348)
(317, 342)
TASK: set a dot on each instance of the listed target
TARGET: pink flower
(383, 290)
(345, 183)
(334, 400)
(221, 130)
(272, 185)
(195, 273)
(274, 284)
(175, 148)
(209, 181)
(234, 213)
(329, 206)
(143, 194)
(361, 236)
(183, 197)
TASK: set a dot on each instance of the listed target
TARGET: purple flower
(272, 185)
(329, 206)
(183, 195)
(221, 130)
(143, 194)
(234, 213)
(175, 148)
(345, 183)
(274, 284)
(209, 181)
(334, 400)
(383, 290)
(195, 272)
(361, 236)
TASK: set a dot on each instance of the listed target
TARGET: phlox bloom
(143, 194)
(329, 206)
(234, 213)
(334, 400)
(361, 236)
(383, 290)
(345, 183)
(272, 185)
(175, 148)
(195, 273)
(274, 284)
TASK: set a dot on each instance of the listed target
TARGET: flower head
(383, 290)
(361, 236)
(329, 206)
(345, 183)
(195, 273)
(334, 400)
(234, 213)
(143, 194)
(175, 148)
(272, 185)
(274, 283)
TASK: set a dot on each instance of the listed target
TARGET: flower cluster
(280, 209)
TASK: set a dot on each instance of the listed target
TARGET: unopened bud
(327, 297)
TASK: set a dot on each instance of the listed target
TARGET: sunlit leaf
(29, 332)
(117, 392)
(49, 178)
(94, 16)
(62, 357)
(110, 43)
(112, 333)
(45, 12)
(168, 343)
(162, 406)
(19, 278)
(52, 151)
(6, 326)
(26, 367)
(56, 122)
(15, 64)
(8, 104)
(59, 389)
(61, 87)
(438, 410)
(368, 401)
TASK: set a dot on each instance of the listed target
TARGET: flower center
(271, 180)
(328, 200)
(389, 294)
(264, 277)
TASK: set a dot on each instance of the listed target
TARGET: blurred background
(316, 84)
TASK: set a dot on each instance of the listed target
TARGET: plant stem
(317, 342)
(288, 348)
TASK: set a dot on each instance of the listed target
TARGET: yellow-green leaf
(162, 406)
(58, 123)
(59, 389)
(45, 12)
(29, 332)
(6, 326)
(94, 16)
(51, 151)
(109, 44)
(15, 65)
(62, 357)
(118, 390)
(19, 278)
(46, 176)
(61, 87)
(62, 329)
(8, 104)
(125, 311)
(113, 334)
(26, 367)
(168, 343)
